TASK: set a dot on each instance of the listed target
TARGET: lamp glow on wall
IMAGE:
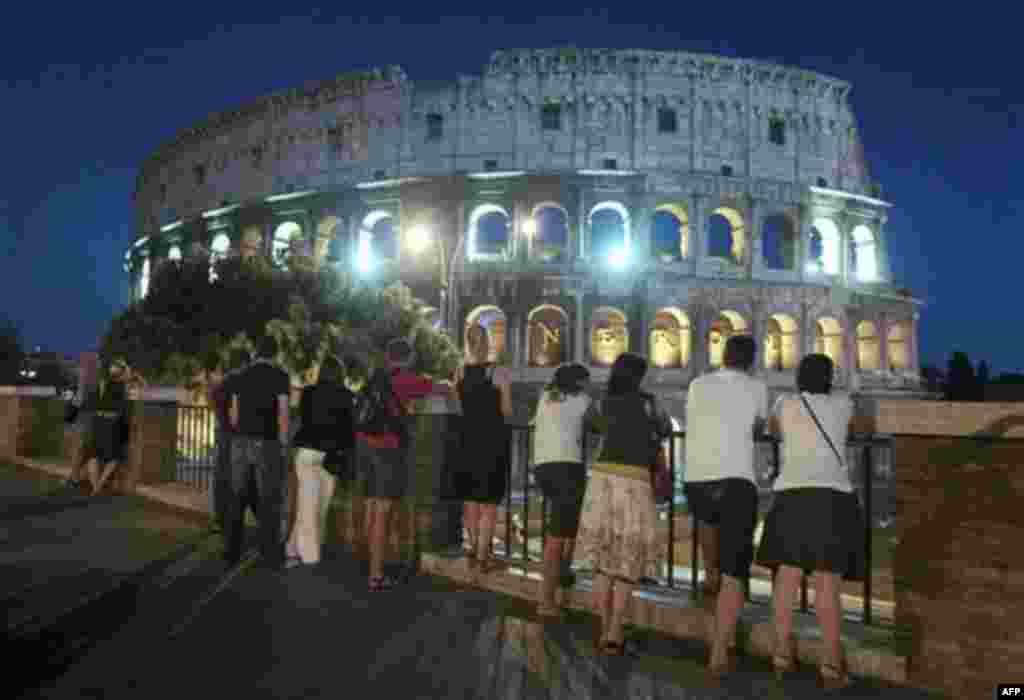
(530, 231)
(418, 239)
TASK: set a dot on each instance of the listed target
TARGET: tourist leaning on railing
(559, 431)
(480, 469)
(724, 412)
(619, 524)
(815, 523)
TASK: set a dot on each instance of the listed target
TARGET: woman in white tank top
(815, 523)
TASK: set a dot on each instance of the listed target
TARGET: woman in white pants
(325, 411)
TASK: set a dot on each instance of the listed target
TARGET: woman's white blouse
(807, 459)
(558, 429)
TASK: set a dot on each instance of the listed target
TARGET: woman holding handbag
(618, 528)
(815, 523)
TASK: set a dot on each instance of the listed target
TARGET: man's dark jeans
(262, 461)
(222, 478)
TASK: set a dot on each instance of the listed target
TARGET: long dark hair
(814, 376)
(568, 380)
(627, 373)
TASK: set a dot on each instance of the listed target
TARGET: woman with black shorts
(558, 438)
(110, 427)
(815, 523)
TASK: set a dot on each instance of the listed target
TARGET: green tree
(187, 320)
(961, 384)
(982, 379)
(12, 353)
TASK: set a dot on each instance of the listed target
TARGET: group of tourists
(602, 515)
(608, 522)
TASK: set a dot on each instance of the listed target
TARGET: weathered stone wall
(958, 563)
(359, 128)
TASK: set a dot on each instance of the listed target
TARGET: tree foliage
(12, 353)
(189, 321)
(961, 383)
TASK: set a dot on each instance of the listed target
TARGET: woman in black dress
(480, 474)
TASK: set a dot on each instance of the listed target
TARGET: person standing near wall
(217, 398)
(258, 400)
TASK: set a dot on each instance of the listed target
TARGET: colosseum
(576, 202)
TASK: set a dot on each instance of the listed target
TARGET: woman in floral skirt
(618, 527)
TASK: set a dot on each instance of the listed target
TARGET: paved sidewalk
(196, 630)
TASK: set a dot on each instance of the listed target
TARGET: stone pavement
(177, 624)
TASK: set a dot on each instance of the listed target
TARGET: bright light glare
(618, 258)
(530, 227)
(418, 239)
(364, 256)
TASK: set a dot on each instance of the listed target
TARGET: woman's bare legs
(603, 602)
(787, 580)
(488, 515)
(827, 607)
(553, 551)
(471, 521)
(622, 593)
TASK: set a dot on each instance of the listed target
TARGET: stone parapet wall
(958, 564)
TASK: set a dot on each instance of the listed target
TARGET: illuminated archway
(779, 238)
(609, 232)
(823, 251)
(548, 328)
(670, 233)
(548, 232)
(899, 346)
(868, 350)
(174, 253)
(284, 235)
(377, 241)
(728, 324)
(670, 339)
(493, 320)
(488, 234)
(781, 343)
(863, 254)
(727, 235)
(609, 336)
(828, 339)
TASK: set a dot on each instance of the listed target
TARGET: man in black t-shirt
(258, 407)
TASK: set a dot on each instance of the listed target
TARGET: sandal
(610, 647)
(547, 612)
(715, 674)
(488, 565)
(381, 583)
(785, 664)
(832, 677)
(292, 562)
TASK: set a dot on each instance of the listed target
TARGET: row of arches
(671, 340)
(545, 233)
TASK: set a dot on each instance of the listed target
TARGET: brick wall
(958, 564)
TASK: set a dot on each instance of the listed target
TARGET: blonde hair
(478, 342)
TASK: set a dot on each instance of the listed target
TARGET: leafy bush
(189, 321)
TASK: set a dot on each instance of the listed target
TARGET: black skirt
(815, 529)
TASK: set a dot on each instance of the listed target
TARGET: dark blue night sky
(88, 93)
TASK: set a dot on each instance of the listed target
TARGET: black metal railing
(861, 455)
(196, 451)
